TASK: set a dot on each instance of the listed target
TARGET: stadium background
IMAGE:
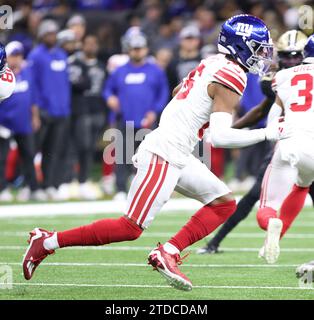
(162, 22)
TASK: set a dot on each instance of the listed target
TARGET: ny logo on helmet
(244, 29)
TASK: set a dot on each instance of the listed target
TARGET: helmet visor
(261, 59)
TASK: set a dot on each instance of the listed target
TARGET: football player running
(291, 172)
(289, 48)
(165, 163)
(7, 78)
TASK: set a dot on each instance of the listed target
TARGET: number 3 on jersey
(305, 93)
(189, 82)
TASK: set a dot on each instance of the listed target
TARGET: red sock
(100, 232)
(292, 205)
(263, 216)
(202, 223)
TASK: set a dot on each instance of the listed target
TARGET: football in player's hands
(278, 129)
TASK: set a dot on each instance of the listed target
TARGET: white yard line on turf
(248, 224)
(96, 264)
(85, 208)
(79, 285)
(92, 207)
(31, 221)
(245, 235)
(147, 248)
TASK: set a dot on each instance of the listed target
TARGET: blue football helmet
(3, 59)
(308, 51)
(246, 38)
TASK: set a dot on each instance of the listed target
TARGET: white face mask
(261, 59)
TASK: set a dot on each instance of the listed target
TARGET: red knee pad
(226, 209)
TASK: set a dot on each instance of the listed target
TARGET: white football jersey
(294, 86)
(186, 116)
(7, 84)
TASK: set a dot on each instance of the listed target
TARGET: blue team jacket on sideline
(52, 85)
(15, 112)
(139, 89)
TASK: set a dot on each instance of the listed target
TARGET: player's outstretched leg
(244, 207)
(150, 189)
(268, 221)
(43, 243)
(166, 258)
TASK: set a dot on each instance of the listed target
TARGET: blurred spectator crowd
(83, 66)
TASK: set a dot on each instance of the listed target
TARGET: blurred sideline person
(137, 91)
(79, 80)
(187, 57)
(20, 115)
(108, 181)
(77, 24)
(88, 114)
(93, 126)
(52, 90)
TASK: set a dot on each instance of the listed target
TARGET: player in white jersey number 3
(291, 171)
(164, 162)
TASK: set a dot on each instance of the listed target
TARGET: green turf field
(120, 271)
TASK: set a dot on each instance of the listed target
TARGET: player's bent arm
(221, 133)
(253, 116)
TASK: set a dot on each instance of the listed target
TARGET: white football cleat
(271, 249)
(305, 272)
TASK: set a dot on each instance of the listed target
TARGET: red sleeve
(232, 79)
